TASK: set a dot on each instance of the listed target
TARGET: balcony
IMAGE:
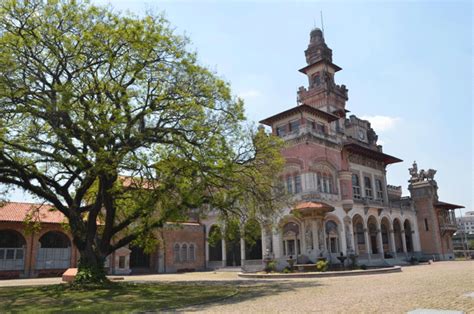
(308, 130)
(315, 196)
(448, 227)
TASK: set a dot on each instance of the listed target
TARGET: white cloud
(382, 123)
(252, 93)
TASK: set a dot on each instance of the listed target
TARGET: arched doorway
(253, 240)
(385, 229)
(12, 250)
(408, 235)
(332, 237)
(397, 233)
(54, 251)
(139, 260)
(372, 226)
(291, 239)
(232, 241)
(358, 226)
(214, 241)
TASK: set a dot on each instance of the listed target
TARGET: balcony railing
(312, 195)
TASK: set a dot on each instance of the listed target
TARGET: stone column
(242, 250)
(392, 243)
(277, 245)
(314, 227)
(380, 243)
(368, 247)
(224, 252)
(348, 235)
(264, 241)
(303, 238)
(404, 242)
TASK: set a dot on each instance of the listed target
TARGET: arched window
(356, 186)
(12, 246)
(176, 253)
(192, 256)
(368, 188)
(317, 80)
(54, 251)
(184, 252)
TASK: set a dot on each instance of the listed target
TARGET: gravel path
(442, 285)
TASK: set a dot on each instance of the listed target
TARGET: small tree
(88, 95)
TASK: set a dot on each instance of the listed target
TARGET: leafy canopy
(112, 120)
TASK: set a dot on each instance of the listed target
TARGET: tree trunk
(91, 268)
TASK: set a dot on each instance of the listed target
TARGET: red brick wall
(184, 234)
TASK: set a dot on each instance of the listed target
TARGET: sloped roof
(18, 211)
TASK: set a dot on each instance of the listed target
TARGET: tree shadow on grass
(142, 296)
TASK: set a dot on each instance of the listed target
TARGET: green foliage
(114, 122)
(322, 265)
(287, 270)
(90, 274)
(271, 266)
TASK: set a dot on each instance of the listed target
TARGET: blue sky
(407, 65)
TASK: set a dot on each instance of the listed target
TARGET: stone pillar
(242, 250)
(392, 243)
(264, 241)
(277, 244)
(380, 243)
(303, 238)
(348, 235)
(314, 227)
(224, 252)
(368, 247)
(404, 242)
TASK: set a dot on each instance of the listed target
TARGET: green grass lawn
(118, 297)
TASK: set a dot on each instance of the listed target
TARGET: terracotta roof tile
(17, 212)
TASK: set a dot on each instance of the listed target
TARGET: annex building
(335, 171)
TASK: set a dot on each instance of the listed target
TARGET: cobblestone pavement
(442, 285)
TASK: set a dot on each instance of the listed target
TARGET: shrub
(322, 265)
(287, 270)
(363, 267)
(271, 266)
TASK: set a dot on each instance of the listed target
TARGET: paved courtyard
(442, 285)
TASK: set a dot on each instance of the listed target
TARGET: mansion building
(335, 171)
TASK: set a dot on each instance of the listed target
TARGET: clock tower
(322, 92)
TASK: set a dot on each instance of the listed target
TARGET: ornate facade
(336, 173)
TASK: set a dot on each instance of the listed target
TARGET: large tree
(111, 119)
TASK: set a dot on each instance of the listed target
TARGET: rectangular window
(426, 225)
(298, 184)
(295, 126)
(2, 254)
(289, 185)
(19, 254)
(291, 247)
(10, 254)
(379, 187)
(368, 188)
(121, 262)
(320, 128)
(281, 131)
(356, 187)
(311, 124)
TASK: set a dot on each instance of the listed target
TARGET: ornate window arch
(192, 252)
(184, 252)
(325, 177)
(176, 253)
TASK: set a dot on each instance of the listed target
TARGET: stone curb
(394, 269)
